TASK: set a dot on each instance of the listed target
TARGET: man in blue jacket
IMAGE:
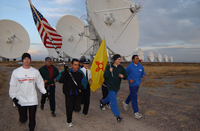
(135, 72)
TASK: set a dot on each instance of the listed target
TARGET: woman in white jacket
(22, 90)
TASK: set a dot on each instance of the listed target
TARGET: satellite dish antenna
(128, 58)
(14, 39)
(71, 29)
(116, 20)
(165, 58)
(150, 57)
(170, 59)
(159, 57)
(140, 54)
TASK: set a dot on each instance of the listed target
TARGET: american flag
(57, 39)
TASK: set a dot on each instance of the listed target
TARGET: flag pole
(109, 55)
(53, 44)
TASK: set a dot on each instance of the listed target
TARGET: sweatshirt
(22, 85)
(113, 83)
(69, 87)
(135, 72)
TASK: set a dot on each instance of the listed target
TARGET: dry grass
(186, 76)
(172, 70)
(153, 83)
(189, 75)
(184, 86)
(186, 80)
(156, 77)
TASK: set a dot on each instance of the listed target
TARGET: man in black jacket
(73, 92)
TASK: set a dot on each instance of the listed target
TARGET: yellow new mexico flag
(98, 67)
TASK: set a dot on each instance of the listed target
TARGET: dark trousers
(73, 103)
(51, 91)
(104, 92)
(85, 99)
(23, 115)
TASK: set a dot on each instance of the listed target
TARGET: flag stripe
(56, 38)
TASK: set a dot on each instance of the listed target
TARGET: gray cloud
(169, 22)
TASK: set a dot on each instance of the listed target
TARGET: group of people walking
(76, 87)
(113, 75)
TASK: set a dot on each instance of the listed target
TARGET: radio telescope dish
(165, 59)
(140, 54)
(170, 59)
(150, 58)
(14, 39)
(128, 58)
(116, 20)
(71, 29)
(159, 57)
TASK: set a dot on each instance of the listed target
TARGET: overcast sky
(169, 27)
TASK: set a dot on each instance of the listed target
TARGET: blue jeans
(133, 98)
(112, 98)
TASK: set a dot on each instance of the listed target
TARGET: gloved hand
(47, 96)
(16, 102)
(80, 87)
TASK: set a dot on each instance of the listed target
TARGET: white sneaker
(125, 106)
(69, 124)
(108, 106)
(103, 108)
(138, 115)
